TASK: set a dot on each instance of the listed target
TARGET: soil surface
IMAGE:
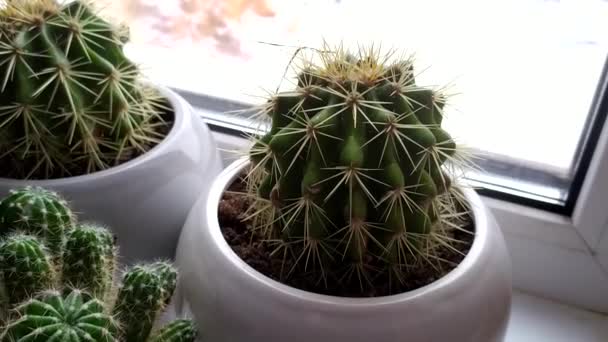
(256, 251)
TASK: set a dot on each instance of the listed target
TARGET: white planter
(145, 201)
(232, 302)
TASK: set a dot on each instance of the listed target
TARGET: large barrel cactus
(70, 101)
(356, 175)
(76, 297)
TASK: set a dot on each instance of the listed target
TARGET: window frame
(591, 150)
(590, 215)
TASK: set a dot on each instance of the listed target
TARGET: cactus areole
(71, 103)
(356, 178)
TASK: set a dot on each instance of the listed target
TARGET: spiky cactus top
(355, 174)
(70, 101)
(74, 296)
(53, 317)
(38, 211)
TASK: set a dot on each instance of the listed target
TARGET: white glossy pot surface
(232, 302)
(145, 201)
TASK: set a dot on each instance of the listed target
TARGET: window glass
(524, 72)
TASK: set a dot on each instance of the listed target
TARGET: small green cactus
(25, 267)
(46, 298)
(37, 211)
(87, 260)
(71, 102)
(168, 277)
(356, 175)
(51, 317)
(140, 300)
(181, 330)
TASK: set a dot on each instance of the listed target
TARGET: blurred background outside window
(524, 72)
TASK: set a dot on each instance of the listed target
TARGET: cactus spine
(70, 100)
(355, 176)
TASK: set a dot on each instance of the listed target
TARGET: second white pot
(145, 201)
(232, 302)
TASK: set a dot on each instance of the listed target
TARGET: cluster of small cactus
(57, 279)
(70, 100)
(356, 177)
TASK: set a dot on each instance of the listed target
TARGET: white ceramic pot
(145, 201)
(232, 302)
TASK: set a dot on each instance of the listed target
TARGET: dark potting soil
(11, 168)
(251, 247)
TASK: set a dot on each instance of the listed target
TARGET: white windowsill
(534, 319)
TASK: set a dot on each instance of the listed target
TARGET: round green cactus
(140, 300)
(356, 168)
(87, 260)
(71, 102)
(181, 330)
(37, 211)
(52, 317)
(25, 267)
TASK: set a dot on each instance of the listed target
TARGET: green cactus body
(88, 260)
(55, 318)
(139, 301)
(181, 330)
(37, 211)
(168, 278)
(26, 267)
(353, 165)
(70, 101)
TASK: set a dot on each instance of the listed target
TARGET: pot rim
(180, 121)
(222, 182)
